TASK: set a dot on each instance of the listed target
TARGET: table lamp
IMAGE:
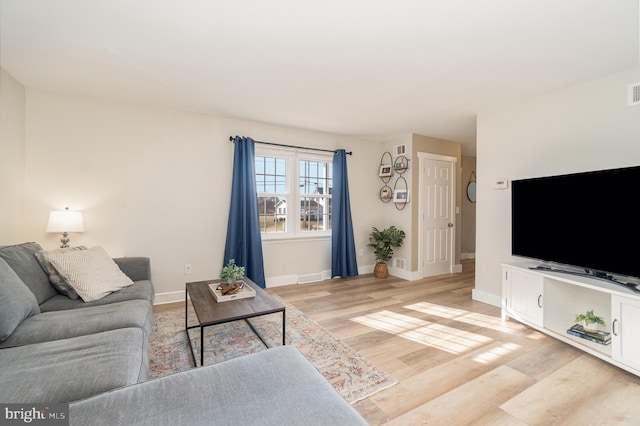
(65, 221)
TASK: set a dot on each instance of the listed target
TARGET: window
(271, 183)
(294, 193)
(316, 186)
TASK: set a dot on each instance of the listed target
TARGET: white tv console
(548, 302)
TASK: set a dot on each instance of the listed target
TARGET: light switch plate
(501, 184)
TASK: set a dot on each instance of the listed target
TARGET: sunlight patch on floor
(463, 316)
(427, 333)
(496, 353)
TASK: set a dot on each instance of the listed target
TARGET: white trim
(484, 297)
(168, 297)
(453, 163)
(281, 280)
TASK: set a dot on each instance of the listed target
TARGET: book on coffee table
(245, 292)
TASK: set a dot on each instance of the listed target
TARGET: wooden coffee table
(209, 312)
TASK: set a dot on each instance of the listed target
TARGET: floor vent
(634, 94)
(310, 278)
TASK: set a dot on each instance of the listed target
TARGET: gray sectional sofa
(94, 357)
(55, 349)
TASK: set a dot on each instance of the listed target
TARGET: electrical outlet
(187, 268)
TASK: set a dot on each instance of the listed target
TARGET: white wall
(468, 210)
(156, 182)
(584, 127)
(12, 100)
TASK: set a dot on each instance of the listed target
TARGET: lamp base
(64, 240)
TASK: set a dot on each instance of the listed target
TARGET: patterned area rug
(352, 375)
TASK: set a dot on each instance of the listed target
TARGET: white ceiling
(370, 68)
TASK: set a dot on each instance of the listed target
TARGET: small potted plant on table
(229, 276)
(590, 321)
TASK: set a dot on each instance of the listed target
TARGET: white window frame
(292, 158)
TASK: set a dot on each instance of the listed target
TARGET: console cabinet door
(523, 295)
(625, 327)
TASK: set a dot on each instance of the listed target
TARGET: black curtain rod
(232, 139)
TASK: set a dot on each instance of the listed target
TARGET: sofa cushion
(66, 370)
(140, 290)
(92, 273)
(55, 279)
(272, 387)
(17, 302)
(22, 259)
(59, 325)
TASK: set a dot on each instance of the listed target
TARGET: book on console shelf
(601, 337)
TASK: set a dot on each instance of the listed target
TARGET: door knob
(450, 225)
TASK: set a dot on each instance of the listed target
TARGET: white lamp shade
(65, 221)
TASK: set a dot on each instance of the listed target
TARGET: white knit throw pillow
(92, 273)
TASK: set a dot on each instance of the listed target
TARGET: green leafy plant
(590, 318)
(231, 272)
(383, 241)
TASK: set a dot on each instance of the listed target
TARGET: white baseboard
(464, 256)
(168, 297)
(281, 280)
(488, 298)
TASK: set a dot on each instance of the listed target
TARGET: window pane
(272, 214)
(315, 177)
(271, 176)
(315, 214)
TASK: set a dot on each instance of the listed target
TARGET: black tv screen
(587, 220)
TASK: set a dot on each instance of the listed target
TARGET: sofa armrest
(136, 268)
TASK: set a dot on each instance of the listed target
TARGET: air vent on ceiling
(399, 150)
(634, 94)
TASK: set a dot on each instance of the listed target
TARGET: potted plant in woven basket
(383, 243)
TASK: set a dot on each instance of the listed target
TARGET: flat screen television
(589, 221)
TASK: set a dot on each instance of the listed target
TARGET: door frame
(453, 162)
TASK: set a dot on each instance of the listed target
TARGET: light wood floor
(457, 363)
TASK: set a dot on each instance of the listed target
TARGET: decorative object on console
(382, 243)
(590, 321)
(65, 221)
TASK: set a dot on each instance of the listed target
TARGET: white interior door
(436, 195)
